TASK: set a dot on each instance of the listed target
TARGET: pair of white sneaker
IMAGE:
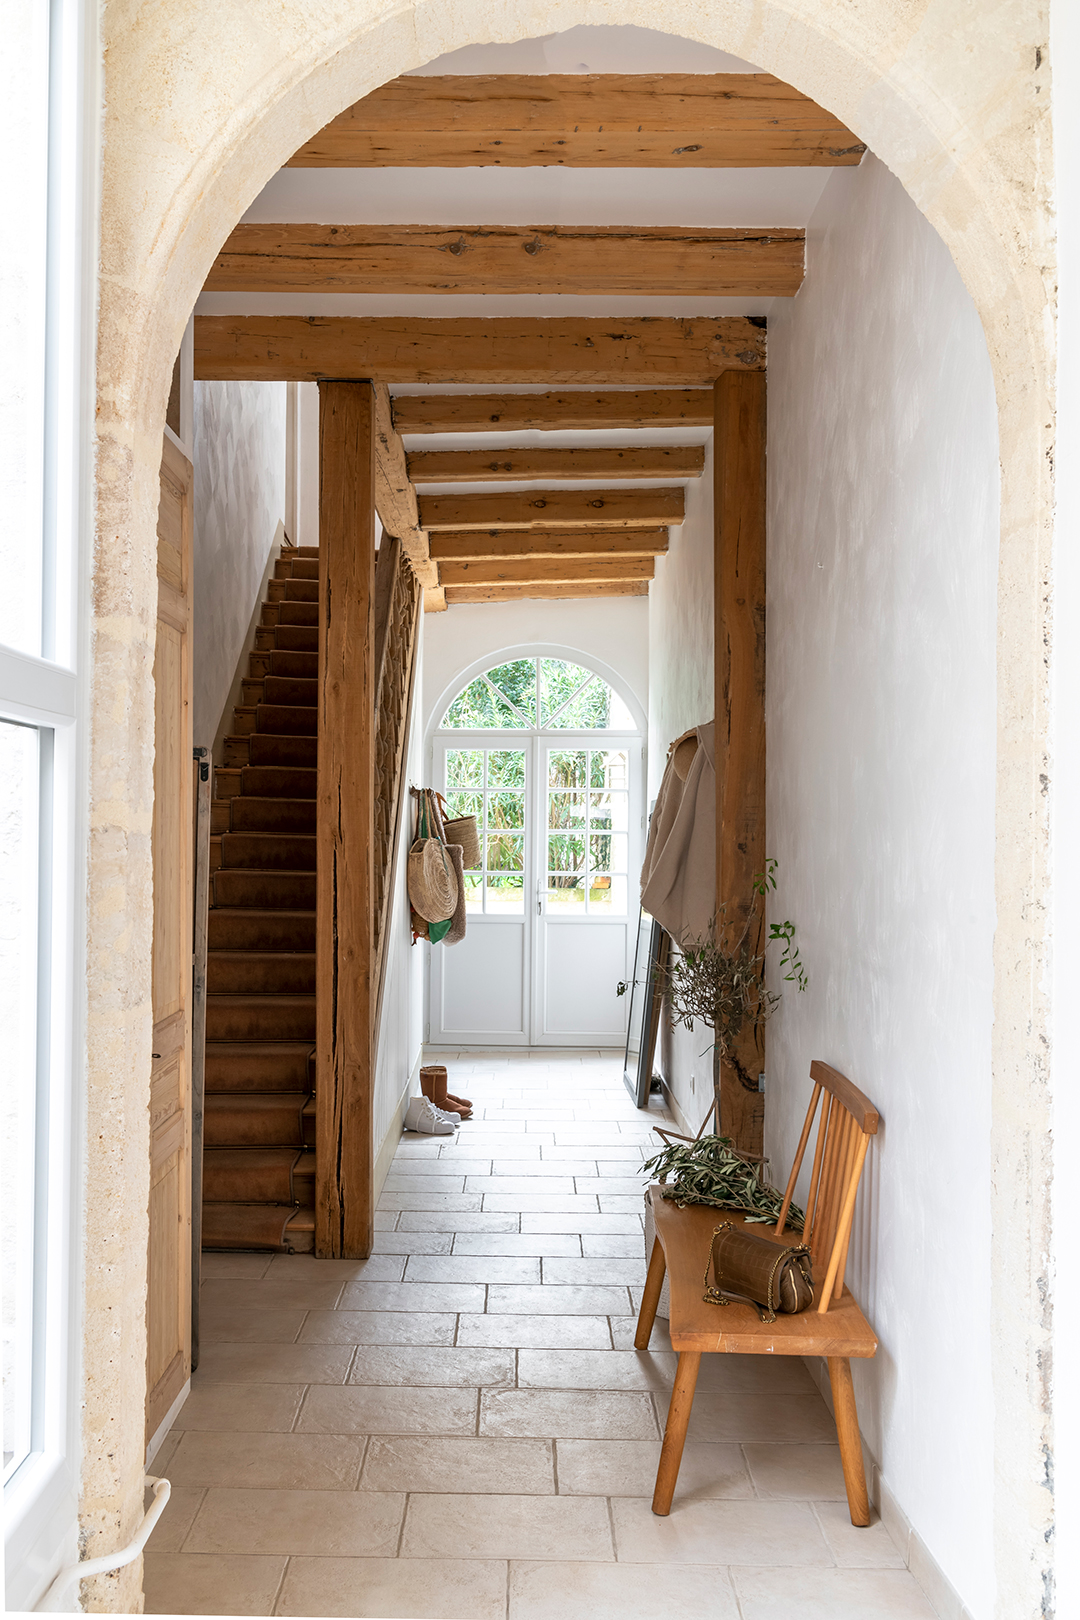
(423, 1116)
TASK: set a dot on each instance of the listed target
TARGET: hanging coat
(678, 879)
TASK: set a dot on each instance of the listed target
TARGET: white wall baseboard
(388, 1146)
(940, 1593)
(166, 1424)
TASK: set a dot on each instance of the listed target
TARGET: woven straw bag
(462, 830)
(433, 885)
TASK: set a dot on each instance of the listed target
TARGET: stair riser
(296, 753)
(270, 816)
(267, 1018)
(266, 1227)
(278, 613)
(259, 1184)
(296, 638)
(286, 720)
(278, 782)
(274, 1125)
(261, 930)
(294, 666)
(247, 1066)
(266, 852)
(289, 891)
(260, 975)
(288, 690)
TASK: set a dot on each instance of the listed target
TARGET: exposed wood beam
(739, 617)
(534, 592)
(554, 509)
(395, 497)
(664, 351)
(480, 413)
(636, 120)
(469, 545)
(504, 465)
(624, 260)
(344, 967)
(549, 570)
(435, 599)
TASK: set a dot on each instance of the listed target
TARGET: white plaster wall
(681, 695)
(240, 465)
(883, 555)
(612, 629)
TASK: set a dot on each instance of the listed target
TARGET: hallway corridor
(458, 1428)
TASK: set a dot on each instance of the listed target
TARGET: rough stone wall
(205, 99)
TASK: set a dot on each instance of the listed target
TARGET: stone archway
(203, 103)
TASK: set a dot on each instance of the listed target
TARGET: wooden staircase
(259, 1122)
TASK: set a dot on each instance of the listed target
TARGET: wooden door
(168, 1326)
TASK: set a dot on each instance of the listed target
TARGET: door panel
(483, 985)
(583, 964)
(168, 1350)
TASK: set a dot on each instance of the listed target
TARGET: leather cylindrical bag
(746, 1266)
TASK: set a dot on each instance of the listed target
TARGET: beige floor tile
(538, 1332)
(384, 1220)
(539, 1203)
(595, 1272)
(239, 1324)
(540, 1185)
(719, 1532)
(438, 1167)
(415, 1296)
(620, 1203)
(595, 1369)
(517, 1244)
(756, 1418)
(413, 1242)
(518, 1149)
(458, 1203)
(274, 1363)
(805, 1473)
(438, 1178)
(601, 1225)
(624, 1186)
(159, 1467)
(756, 1375)
(830, 1594)
(255, 1408)
(619, 1246)
(307, 1462)
(623, 1329)
(353, 1523)
(628, 1468)
(379, 1327)
(573, 1414)
(178, 1517)
(622, 1161)
(429, 1364)
(619, 1592)
(246, 1266)
(306, 1293)
(183, 1583)
(546, 1169)
(385, 1410)
(427, 1220)
(507, 1527)
(622, 1153)
(301, 1268)
(557, 1301)
(467, 1463)
(396, 1588)
(466, 1268)
(857, 1547)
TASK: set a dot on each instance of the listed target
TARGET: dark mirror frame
(646, 995)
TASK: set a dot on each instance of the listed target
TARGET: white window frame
(52, 693)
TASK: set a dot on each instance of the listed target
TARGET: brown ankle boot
(433, 1085)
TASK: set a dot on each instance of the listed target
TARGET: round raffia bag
(462, 830)
(433, 885)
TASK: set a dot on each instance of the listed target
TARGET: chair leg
(682, 1399)
(650, 1299)
(847, 1432)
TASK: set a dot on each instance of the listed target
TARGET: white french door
(549, 906)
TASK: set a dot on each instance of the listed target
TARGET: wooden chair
(834, 1327)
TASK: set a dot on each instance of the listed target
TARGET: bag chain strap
(767, 1313)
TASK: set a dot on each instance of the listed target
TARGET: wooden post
(739, 585)
(344, 1214)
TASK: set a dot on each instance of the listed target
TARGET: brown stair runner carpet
(259, 1122)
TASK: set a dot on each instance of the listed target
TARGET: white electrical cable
(110, 1561)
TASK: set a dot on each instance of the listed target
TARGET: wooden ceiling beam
(551, 570)
(660, 350)
(469, 545)
(611, 260)
(504, 466)
(554, 509)
(595, 120)
(554, 412)
(543, 591)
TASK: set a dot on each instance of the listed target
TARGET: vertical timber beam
(344, 1061)
(739, 584)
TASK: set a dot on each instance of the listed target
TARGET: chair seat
(736, 1329)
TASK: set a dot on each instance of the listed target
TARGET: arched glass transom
(544, 694)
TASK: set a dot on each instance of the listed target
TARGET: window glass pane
(566, 852)
(474, 893)
(505, 852)
(506, 768)
(566, 769)
(608, 894)
(609, 810)
(482, 707)
(506, 810)
(587, 710)
(517, 684)
(607, 768)
(558, 683)
(566, 894)
(465, 804)
(566, 810)
(465, 767)
(19, 788)
(506, 894)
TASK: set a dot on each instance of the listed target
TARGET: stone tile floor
(459, 1428)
